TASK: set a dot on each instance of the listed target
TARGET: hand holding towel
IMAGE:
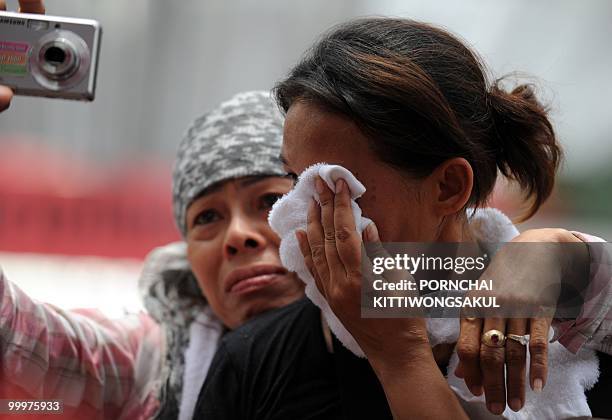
(569, 374)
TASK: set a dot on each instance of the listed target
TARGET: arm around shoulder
(85, 359)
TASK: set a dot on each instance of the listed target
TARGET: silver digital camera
(55, 57)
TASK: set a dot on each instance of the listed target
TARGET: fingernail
(537, 385)
(319, 185)
(477, 390)
(339, 186)
(496, 408)
(371, 233)
(515, 404)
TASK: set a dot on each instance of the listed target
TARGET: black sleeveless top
(277, 367)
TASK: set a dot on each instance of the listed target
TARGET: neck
(454, 229)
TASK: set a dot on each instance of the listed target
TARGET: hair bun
(524, 93)
(527, 150)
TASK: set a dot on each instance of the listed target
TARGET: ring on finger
(493, 338)
(521, 339)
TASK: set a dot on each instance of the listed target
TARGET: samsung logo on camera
(11, 21)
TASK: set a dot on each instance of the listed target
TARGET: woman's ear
(451, 183)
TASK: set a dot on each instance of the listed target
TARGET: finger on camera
(6, 94)
(31, 6)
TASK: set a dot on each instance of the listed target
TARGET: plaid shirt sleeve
(100, 368)
(593, 327)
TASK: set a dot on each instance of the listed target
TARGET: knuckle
(325, 200)
(537, 366)
(343, 234)
(495, 391)
(334, 294)
(340, 202)
(311, 222)
(354, 274)
(491, 359)
(330, 235)
(515, 356)
(318, 252)
(538, 346)
(468, 352)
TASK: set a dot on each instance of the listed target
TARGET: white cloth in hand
(290, 213)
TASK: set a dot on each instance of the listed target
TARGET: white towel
(569, 375)
(289, 214)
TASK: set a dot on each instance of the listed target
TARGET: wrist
(394, 362)
(571, 254)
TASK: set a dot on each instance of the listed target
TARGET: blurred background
(85, 188)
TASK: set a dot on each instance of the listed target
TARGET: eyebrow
(215, 187)
(253, 180)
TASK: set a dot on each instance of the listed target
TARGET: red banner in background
(53, 205)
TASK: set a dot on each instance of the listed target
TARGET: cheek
(205, 259)
(272, 237)
(399, 213)
(380, 203)
(378, 209)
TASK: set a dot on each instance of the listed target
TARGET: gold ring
(522, 339)
(493, 338)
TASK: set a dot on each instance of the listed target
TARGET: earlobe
(454, 180)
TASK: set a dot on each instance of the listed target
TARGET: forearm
(593, 326)
(584, 312)
(415, 387)
(86, 358)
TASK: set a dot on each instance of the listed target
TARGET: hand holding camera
(46, 56)
(25, 6)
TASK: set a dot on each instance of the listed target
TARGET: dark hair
(421, 97)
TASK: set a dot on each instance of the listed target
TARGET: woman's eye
(268, 200)
(206, 217)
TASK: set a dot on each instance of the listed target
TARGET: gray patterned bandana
(242, 137)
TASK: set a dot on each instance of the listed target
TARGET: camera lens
(59, 60)
(55, 55)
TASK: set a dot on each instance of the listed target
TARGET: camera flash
(38, 25)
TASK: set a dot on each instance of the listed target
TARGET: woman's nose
(243, 236)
